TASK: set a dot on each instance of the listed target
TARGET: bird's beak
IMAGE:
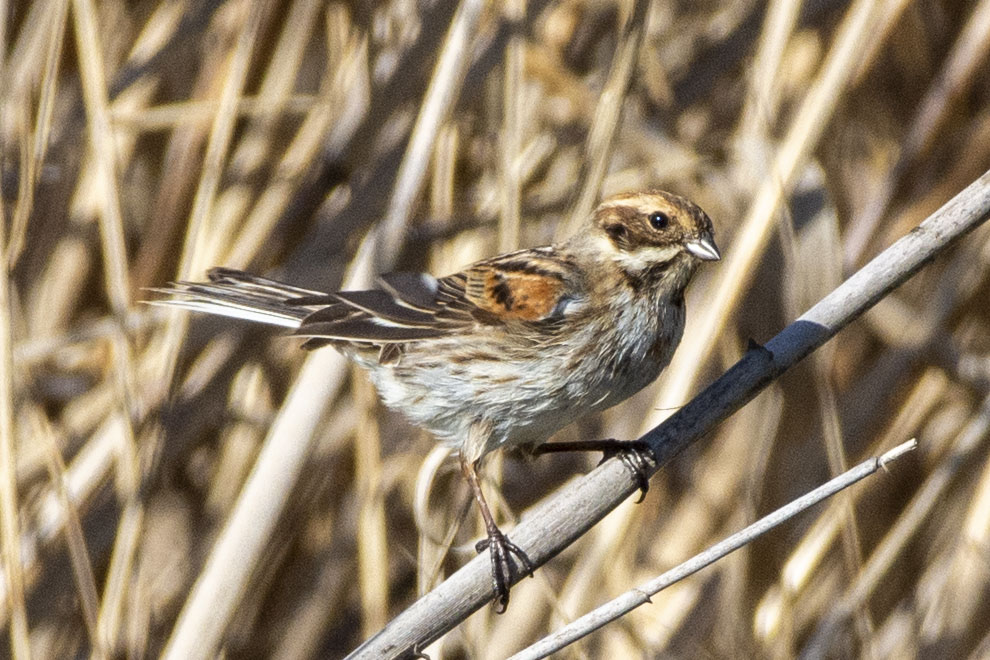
(704, 248)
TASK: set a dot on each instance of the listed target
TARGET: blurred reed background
(145, 141)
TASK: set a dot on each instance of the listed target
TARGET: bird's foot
(500, 550)
(636, 455)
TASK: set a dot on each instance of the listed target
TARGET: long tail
(240, 295)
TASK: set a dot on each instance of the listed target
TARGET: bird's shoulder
(535, 284)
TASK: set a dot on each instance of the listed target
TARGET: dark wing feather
(370, 316)
(364, 329)
(417, 290)
(333, 311)
(382, 305)
(316, 300)
(525, 286)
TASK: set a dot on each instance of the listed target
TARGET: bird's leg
(498, 544)
(636, 456)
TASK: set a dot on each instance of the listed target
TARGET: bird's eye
(659, 220)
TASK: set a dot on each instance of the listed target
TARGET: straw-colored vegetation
(202, 485)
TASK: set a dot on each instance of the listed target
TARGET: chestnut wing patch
(529, 285)
(519, 289)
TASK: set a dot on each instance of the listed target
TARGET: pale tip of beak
(704, 248)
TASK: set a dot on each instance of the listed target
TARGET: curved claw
(633, 456)
(636, 455)
(500, 548)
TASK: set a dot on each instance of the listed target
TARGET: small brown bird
(513, 348)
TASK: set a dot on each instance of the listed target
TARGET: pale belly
(523, 396)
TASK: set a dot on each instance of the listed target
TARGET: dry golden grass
(199, 485)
